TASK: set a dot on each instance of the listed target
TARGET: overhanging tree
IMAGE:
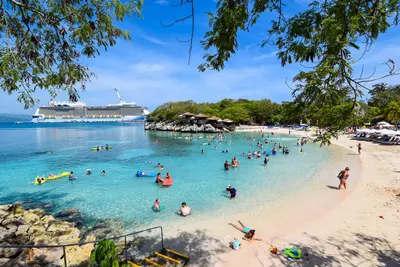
(42, 42)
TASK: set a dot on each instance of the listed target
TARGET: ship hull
(89, 120)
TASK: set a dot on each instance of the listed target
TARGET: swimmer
(149, 162)
(266, 160)
(226, 165)
(301, 150)
(249, 234)
(202, 151)
(231, 191)
(259, 154)
(159, 179)
(72, 176)
(88, 172)
(103, 172)
(184, 210)
(156, 205)
(249, 155)
(280, 145)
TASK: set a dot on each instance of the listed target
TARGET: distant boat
(18, 122)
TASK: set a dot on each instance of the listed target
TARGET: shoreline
(326, 223)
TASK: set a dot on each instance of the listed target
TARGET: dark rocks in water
(106, 228)
(72, 215)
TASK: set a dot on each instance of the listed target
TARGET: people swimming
(168, 180)
(71, 176)
(232, 191)
(156, 205)
(249, 155)
(161, 167)
(159, 179)
(107, 147)
(273, 151)
(259, 154)
(185, 210)
(235, 162)
(103, 172)
(266, 160)
(226, 165)
(280, 145)
(249, 233)
(88, 172)
(202, 151)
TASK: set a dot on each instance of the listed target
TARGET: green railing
(63, 246)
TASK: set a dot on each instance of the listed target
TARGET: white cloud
(161, 2)
(265, 56)
(155, 40)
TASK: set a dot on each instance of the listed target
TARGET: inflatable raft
(104, 148)
(146, 174)
(42, 180)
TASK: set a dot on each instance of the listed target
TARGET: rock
(22, 230)
(59, 226)
(12, 220)
(67, 213)
(9, 252)
(36, 229)
(37, 212)
(6, 234)
(3, 261)
(45, 221)
(79, 255)
(5, 207)
(17, 210)
(42, 238)
(30, 218)
(67, 237)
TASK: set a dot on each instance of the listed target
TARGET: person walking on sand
(359, 148)
(343, 175)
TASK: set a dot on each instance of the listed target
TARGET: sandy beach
(359, 226)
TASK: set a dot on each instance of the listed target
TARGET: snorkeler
(103, 172)
(88, 172)
(248, 232)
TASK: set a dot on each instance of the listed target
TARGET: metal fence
(63, 246)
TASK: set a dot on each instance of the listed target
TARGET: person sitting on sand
(184, 210)
(88, 172)
(103, 172)
(226, 165)
(249, 234)
(231, 191)
(159, 179)
(235, 244)
(156, 205)
(343, 175)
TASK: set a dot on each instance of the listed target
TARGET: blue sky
(153, 69)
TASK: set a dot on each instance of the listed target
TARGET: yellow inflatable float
(42, 179)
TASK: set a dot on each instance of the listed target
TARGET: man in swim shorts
(226, 165)
(184, 210)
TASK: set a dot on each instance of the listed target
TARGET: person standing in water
(159, 179)
(343, 175)
(226, 165)
(266, 160)
(359, 148)
(156, 205)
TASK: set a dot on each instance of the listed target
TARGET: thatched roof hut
(214, 119)
(227, 121)
(187, 115)
(201, 116)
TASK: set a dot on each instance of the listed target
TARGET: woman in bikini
(248, 232)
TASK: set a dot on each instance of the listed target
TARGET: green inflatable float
(292, 253)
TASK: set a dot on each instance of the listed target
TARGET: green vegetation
(384, 104)
(105, 254)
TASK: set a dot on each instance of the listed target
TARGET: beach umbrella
(201, 116)
(214, 119)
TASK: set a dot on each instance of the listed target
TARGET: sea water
(199, 179)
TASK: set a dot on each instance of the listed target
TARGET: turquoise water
(199, 179)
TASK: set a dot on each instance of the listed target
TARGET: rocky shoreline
(34, 227)
(190, 128)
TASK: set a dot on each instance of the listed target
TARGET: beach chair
(164, 258)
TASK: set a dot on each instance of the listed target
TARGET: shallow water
(199, 179)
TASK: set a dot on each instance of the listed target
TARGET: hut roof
(214, 119)
(227, 121)
(187, 114)
(201, 116)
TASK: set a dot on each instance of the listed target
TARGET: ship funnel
(119, 97)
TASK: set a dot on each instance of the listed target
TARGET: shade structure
(383, 123)
(187, 114)
(214, 118)
(227, 121)
(201, 116)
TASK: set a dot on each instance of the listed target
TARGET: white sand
(336, 228)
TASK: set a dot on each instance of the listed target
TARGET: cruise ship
(72, 112)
